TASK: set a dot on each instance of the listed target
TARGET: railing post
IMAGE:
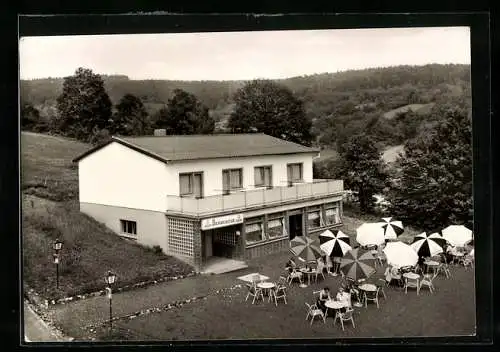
(263, 197)
(246, 205)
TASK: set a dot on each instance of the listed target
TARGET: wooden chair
(443, 268)
(346, 316)
(412, 283)
(279, 293)
(255, 292)
(313, 311)
(294, 275)
(371, 296)
(427, 281)
(380, 286)
(282, 281)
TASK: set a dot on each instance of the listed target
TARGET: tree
(267, 107)
(434, 185)
(30, 117)
(130, 117)
(362, 169)
(184, 114)
(84, 105)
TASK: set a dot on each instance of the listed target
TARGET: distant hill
(339, 104)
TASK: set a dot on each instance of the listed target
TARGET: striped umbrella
(392, 228)
(302, 247)
(358, 264)
(428, 245)
(335, 244)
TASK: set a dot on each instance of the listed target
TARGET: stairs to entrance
(219, 265)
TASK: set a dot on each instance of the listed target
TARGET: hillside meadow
(50, 210)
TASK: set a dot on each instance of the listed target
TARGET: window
(313, 219)
(275, 228)
(191, 184)
(263, 176)
(128, 227)
(254, 232)
(294, 172)
(332, 215)
(232, 179)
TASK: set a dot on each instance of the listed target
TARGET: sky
(242, 55)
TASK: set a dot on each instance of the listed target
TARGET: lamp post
(57, 246)
(110, 279)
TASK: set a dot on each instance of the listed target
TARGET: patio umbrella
(400, 254)
(392, 228)
(335, 244)
(428, 245)
(358, 264)
(457, 235)
(370, 234)
(302, 247)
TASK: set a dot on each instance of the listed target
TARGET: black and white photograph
(247, 185)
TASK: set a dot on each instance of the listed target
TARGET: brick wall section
(267, 248)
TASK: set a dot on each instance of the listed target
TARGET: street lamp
(110, 279)
(57, 247)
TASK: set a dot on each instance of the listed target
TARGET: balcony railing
(254, 198)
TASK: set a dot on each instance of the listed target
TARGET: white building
(234, 196)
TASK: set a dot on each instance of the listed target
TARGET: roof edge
(124, 143)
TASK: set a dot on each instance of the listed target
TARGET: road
(35, 329)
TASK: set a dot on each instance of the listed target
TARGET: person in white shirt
(344, 297)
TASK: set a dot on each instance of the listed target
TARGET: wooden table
(368, 287)
(431, 264)
(308, 273)
(266, 287)
(335, 305)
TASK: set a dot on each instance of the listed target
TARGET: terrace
(319, 188)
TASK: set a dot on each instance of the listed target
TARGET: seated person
(324, 295)
(329, 264)
(392, 273)
(344, 297)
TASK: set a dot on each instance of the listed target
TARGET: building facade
(198, 197)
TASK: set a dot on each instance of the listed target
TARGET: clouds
(242, 55)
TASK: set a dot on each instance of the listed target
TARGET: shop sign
(221, 221)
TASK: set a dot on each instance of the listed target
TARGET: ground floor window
(332, 215)
(254, 232)
(275, 228)
(128, 227)
(313, 219)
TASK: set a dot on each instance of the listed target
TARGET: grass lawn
(46, 166)
(450, 310)
(90, 249)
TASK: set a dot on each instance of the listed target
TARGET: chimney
(160, 132)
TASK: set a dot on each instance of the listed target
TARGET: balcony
(253, 199)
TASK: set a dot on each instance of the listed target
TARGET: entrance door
(208, 244)
(295, 225)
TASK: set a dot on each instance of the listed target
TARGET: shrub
(157, 250)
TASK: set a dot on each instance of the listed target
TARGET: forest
(393, 103)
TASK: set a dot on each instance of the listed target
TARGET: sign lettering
(222, 221)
